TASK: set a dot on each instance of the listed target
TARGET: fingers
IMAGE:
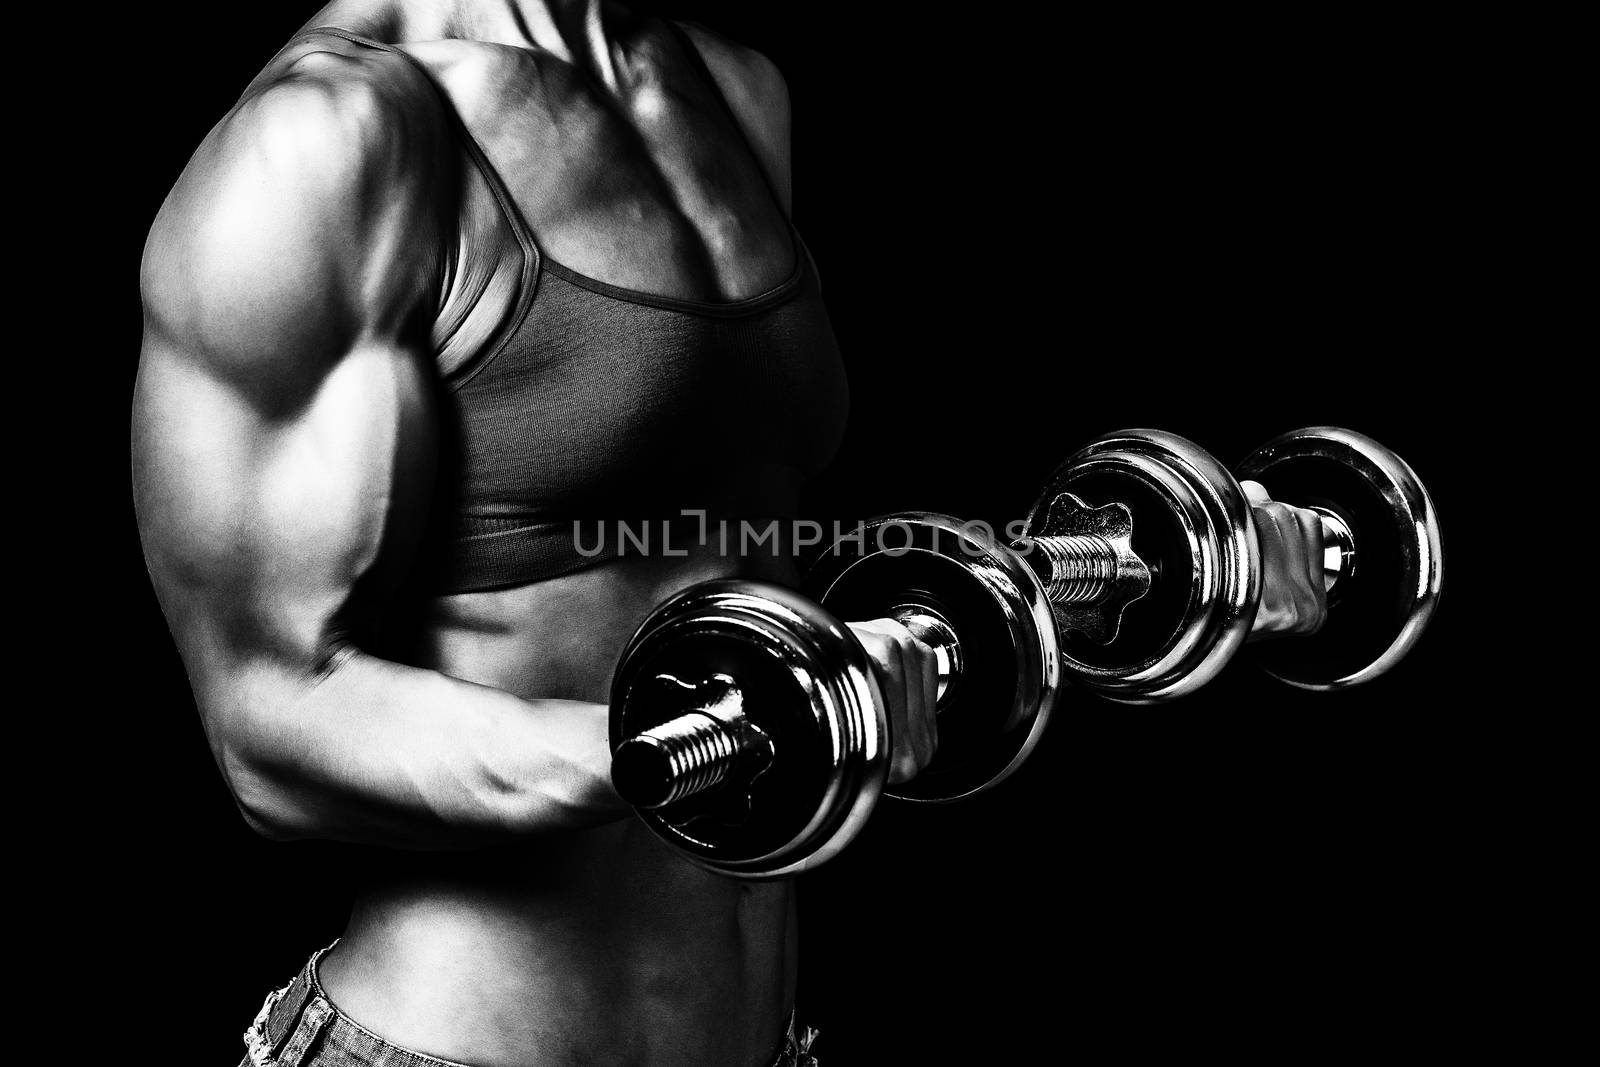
(930, 694)
(1311, 532)
(928, 699)
(1293, 599)
(1293, 546)
(908, 678)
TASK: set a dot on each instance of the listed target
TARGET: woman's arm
(283, 448)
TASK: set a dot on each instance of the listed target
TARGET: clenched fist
(1294, 597)
(908, 677)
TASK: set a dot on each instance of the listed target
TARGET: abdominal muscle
(600, 946)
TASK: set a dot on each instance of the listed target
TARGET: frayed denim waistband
(298, 1022)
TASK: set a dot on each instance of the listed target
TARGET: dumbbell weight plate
(805, 681)
(1192, 528)
(1378, 611)
(994, 713)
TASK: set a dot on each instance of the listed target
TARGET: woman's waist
(601, 927)
(560, 638)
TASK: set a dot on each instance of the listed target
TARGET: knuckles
(1297, 603)
(1311, 612)
(1302, 612)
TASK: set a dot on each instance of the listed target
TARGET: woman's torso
(601, 946)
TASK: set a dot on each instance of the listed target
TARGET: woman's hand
(909, 679)
(1294, 599)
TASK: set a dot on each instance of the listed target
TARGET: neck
(572, 30)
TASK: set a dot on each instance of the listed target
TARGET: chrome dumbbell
(746, 724)
(1190, 524)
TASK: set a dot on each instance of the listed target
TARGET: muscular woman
(452, 277)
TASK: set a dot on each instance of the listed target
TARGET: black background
(1031, 230)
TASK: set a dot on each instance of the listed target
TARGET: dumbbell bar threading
(1081, 568)
(715, 743)
(1084, 558)
(695, 751)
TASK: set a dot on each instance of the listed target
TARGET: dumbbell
(746, 725)
(1192, 529)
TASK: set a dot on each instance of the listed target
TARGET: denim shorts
(299, 1026)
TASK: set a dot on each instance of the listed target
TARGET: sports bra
(597, 406)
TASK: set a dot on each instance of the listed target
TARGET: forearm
(380, 753)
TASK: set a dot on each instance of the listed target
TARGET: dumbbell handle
(1338, 548)
(714, 741)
